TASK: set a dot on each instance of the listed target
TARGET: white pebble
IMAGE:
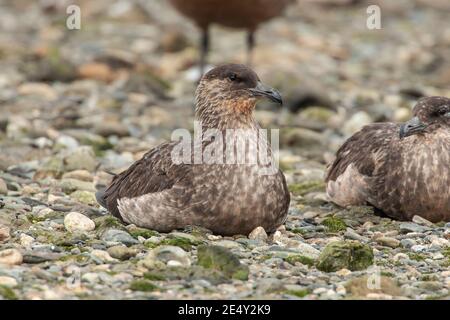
(258, 234)
(77, 222)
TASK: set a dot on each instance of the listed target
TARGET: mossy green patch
(143, 285)
(416, 256)
(351, 255)
(141, 232)
(446, 252)
(154, 276)
(98, 143)
(33, 219)
(429, 277)
(108, 222)
(78, 258)
(292, 259)
(7, 293)
(183, 243)
(298, 293)
(303, 188)
(299, 231)
(334, 224)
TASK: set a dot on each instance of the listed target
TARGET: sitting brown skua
(159, 193)
(401, 169)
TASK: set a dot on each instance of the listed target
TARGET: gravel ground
(78, 103)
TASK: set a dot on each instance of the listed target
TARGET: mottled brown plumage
(247, 14)
(401, 169)
(158, 193)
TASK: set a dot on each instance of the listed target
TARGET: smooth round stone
(258, 234)
(114, 235)
(77, 222)
(8, 281)
(121, 252)
(11, 257)
(228, 244)
(102, 255)
(168, 253)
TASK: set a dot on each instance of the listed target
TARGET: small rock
(67, 142)
(90, 277)
(412, 227)
(82, 158)
(11, 257)
(85, 197)
(400, 256)
(102, 255)
(115, 235)
(39, 256)
(228, 244)
(42, 142)
(71, 185)
(8, 281)
(165, 254)
(278, 237)
(42, 212)
(38, 89)
(174, 263)
(26, 240)
(222, 259)
(419, 248)
(351, 234)
(306, 250)
(407, 243)
(3, 187)
(343, 272)
(310, 214)
(77, 222)
(4, 233)
(258, 234)
(356, 122)
(389, 242)
(351, 255)
(121, 252)
(422, 221)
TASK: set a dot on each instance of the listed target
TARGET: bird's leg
(204, 48)
(250, 46)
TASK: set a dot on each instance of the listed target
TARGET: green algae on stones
(108, 222)
(300, 189)
(141, 232)
(7, 293)
(222, 259)
(334, 224)
(298, 293)
(351, 255)
(292, 259)
(143, 285)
